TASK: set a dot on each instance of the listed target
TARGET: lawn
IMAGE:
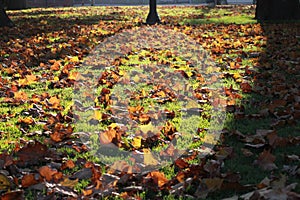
(97, 105)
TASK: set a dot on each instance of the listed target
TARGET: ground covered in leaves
(43, 60)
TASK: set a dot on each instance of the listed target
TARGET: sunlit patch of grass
(242, 19)
(132, 68)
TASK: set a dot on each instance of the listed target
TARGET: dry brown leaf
(30, 179)
(47, 172)
(266, 160)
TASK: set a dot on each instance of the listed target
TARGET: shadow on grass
(272, 105)
(43, 21)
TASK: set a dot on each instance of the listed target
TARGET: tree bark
(277, 10)
(152, 17)
(4, 19)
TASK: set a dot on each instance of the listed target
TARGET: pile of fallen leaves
(38, 61)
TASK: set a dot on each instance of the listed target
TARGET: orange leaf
(87, 192)
(20, 95)
(107, 136)
(73, 75)
(55, 102)
(13, 195)
(30, 179)
(69, 164)
(180, 176)
(56, 66)
(158, 177)
(47, 172)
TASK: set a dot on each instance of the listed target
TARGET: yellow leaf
(23, 81)
(73, 75)
(149, 158)
(137, 142)
(56, 78)
(136, 78)
(121, 72)
(144, 93)
(74, 59)
(97, 115)
(189, 73)
(113, 125)
(148, 127)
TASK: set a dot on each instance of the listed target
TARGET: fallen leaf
(69, 183)
(158, 178)
(13, 195)
(266, 160)
(4, 183)
(149, 158)
(47, 172)
(32, 153)
(30, 179)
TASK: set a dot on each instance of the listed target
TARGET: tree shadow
(41, 21)
(278, 76)
(272, 104)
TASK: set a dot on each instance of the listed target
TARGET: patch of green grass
(242, 19)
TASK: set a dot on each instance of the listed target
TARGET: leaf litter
(44, 57)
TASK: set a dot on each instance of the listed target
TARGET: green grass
(243, 19)
(198, 17)
(133, 67)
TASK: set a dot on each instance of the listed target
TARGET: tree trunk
(4, 19)
(152, 17)
(277, 10)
